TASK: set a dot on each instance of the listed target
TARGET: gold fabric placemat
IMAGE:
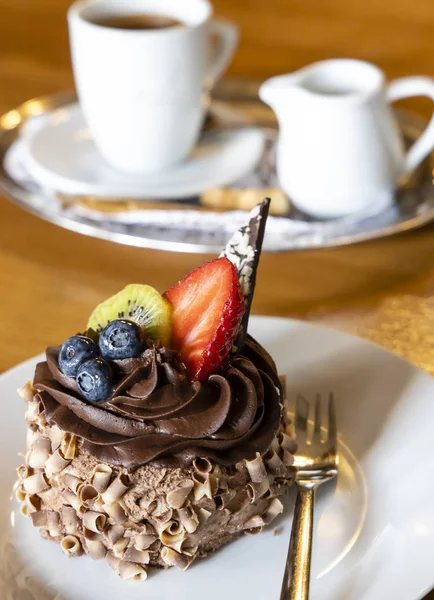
(403, 324)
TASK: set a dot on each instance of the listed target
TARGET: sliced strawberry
(208, 305)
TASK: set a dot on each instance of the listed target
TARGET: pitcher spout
(278, 89)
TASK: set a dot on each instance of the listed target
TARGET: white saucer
(61, 155)
(374, 532)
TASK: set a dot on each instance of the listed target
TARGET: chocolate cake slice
(159, 435)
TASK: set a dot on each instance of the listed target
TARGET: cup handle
(406, 87)
(227, 34)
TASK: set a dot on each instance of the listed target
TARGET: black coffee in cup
(135, 21)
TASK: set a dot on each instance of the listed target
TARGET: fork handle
(296, 580)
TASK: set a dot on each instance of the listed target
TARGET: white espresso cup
(143, 92)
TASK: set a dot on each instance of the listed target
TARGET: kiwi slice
(141, 304)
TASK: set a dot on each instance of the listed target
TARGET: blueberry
(94, 380)
(75, 351)
(120, 339)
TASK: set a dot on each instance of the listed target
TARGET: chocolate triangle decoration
(244, 251)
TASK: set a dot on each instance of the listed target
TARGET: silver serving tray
(199, 231)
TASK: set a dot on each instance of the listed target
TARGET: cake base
(152, 516)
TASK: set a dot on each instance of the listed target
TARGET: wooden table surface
(51, 279)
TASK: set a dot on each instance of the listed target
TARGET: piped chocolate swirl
(157, 416)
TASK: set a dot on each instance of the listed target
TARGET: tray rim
(13, 120)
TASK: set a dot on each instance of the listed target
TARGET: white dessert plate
(374, 534)
(62, 155)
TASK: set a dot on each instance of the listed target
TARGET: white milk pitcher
(340, 149)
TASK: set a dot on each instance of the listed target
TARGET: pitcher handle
(227, 34)
(407, 87)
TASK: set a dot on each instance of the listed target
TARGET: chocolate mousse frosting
(157, 416)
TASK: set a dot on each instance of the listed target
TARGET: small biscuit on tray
(245, 199)
(116, 205)
(215, 199)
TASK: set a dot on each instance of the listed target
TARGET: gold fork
(316, 461)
